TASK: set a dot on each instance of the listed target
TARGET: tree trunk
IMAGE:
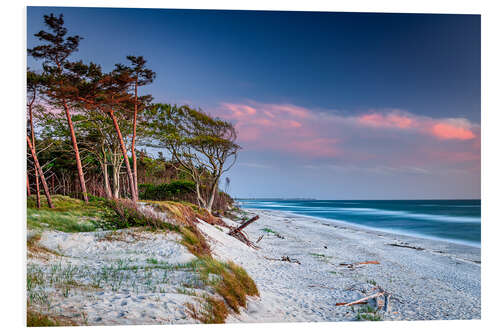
(125, 157)
(37, 166)
(107, 187)
(212, 195)
(38, 201)
(104, 167)
(116, 181)
(28, 184)
(37, 185)
(134, 157)
(199, 198)
(77, 153)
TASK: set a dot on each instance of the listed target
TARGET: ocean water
(451, 220)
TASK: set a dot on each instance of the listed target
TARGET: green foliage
(368, 313)
(175, 190)
(127, 215)
(268, 230)
(68, 214)
(229, 280)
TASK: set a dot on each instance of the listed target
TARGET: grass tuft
(213, 311)
(368, 313)
(229, 280)
(37, 319)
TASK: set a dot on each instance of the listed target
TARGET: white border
(13, 20)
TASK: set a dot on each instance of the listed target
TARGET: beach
(325, 264)
(428, 279)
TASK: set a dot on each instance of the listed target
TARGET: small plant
(368, 313)
(321, 257)
(268, 230)
(152, 261)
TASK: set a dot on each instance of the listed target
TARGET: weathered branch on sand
(361, 300)
(244, 239)
(243, 225)
(382, 299)
(285, 258)
(354, 265)
(238, 234)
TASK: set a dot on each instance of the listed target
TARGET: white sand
(440, 282)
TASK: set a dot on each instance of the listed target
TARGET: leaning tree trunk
(213, 192)
(37, 166)
(37, 185)
(125, 157)
(134, 157)
(77, 154)
(28, 184)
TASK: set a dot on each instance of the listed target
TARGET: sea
(457, 221)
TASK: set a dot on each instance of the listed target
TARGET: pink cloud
(286, 128)
(445, 129)
(386, 120)
(449, 131)
(239, 110)
(300, 131)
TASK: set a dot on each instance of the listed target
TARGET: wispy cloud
(445, 129)
(398, 140)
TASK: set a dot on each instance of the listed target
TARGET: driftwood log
(285, 258)
(382, 299)
(238, 232)
(243, 225)
(358, 264)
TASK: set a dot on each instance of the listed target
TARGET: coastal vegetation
(85, 125)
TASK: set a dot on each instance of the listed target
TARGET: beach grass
(224, 286)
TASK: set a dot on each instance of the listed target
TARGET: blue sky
(327, 105)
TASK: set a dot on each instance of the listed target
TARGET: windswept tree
(107, 93)
(203, 146)
(40, 172)
(140, 76)
(55, 51)
(100, 140)
(33, 84)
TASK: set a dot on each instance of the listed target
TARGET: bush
(175, 190)
(129, 215)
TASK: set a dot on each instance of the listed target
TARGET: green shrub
(175, 190)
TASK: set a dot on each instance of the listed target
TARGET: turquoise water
(452, 220)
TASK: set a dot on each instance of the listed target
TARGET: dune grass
(38, 319)
(68, 214)
(230, 282)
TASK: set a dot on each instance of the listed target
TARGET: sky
(326, 105)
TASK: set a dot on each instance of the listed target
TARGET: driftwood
(243, 225)
(382, 299)
(343, 303)
(284, 258)
(258, 240)
(418, 248)
(238, 233)
(354, 265)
